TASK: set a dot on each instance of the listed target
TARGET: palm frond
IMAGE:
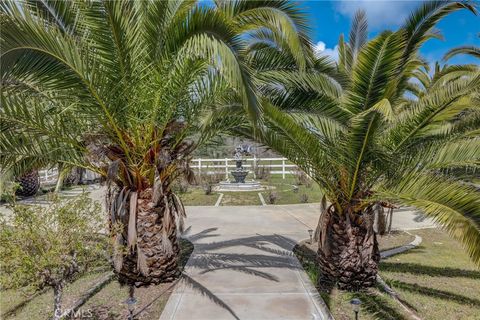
(376, 66)
(468, 50)
(358, 32)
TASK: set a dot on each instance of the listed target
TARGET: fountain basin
(239, 175)
(239, 186)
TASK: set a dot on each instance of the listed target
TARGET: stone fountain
(239, 174)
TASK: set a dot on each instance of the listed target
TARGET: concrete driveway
(242, 266)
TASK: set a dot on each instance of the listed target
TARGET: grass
(394, 239)
(242, 198)
(108, 303)
(437, 280)
(283, 188)
(15, 304)
(195, 196)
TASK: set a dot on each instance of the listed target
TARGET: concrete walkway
(242, 266)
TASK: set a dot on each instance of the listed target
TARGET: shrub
(272, 197)
(262, 172)
(208, 188)
(8, 189)
(304, 198)
(180, 186)
(51, 246)
(209, 180)
(300, 177)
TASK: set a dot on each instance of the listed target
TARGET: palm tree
(129, 89)
(369, 145)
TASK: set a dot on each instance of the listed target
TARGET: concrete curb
(219, 200)
(261, 199)
(394, 251)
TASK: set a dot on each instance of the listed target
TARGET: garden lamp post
(356, 306)
(310, 232)
(131, 307)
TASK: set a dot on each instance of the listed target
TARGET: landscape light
(131, 306)
(310, 232)
(356, 306)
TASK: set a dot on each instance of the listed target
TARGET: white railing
(48, 176)
(210, 166)
(225, 165)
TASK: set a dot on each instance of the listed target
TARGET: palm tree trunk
(349, 255)
(390, 220)
(61, 176)
(154, 259)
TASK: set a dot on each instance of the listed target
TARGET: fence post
(199, 167)
(226, 169)
(254, 167)
(283, 168)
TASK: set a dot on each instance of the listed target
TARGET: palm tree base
(349, 259)
(160, 261)
(163, 270)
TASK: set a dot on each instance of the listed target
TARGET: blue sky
(328, 19)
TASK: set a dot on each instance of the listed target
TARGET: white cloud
(380, 13)
(321, 49)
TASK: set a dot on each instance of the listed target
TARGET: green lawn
(195, 196)
(108, 303)
(15, 304)
(436, 280)
(242, 198)
(283, 189)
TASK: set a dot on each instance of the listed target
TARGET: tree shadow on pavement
(274, 251)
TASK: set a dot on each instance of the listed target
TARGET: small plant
(301, 178)
(51, 246)
(208, 188)
(272, 197)
(303, 198)
(180, 186)
(8, 190)
(262, 172)
(209, 181)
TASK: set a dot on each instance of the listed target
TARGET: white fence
(48, 176)
(275, 165)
